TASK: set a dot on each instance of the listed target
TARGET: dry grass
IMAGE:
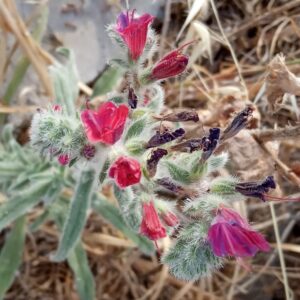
(240, 38)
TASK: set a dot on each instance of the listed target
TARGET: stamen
(187, 44)
(274, 198)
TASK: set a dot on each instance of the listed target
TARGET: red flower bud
(134, 31)
(170, 218)
(63, 159)
(151, 225)
(57, 107)
(126, 171)
(172, 64)
(107, 124)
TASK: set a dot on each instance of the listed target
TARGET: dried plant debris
(280, 80)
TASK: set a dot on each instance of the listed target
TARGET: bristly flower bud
(152, 162)
(210, 143)
(172, 64)
(256, 189)
(105, 125)
(134, 31)
(132, 98)
(170, 218)
(151, 225)
(183, 116)
(57, 107)
(238, 123)
(163, 138)
(88, 151)
(63, 159)
(231, 235)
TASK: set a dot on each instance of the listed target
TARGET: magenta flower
(231, 235)
(151, 225)
(105, 125)
(126, 171)
(134, 32)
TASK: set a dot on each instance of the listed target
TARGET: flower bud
(151, 225)
(88, 151)
(172, 64)
(170, 218)
(63, 159)
(126, 171)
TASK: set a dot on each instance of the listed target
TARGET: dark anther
(188, 146)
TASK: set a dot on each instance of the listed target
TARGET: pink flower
(134, 31)
(63, 159)
(126, 171)
(170, 218)
(151, 225)
(105, 125)
(231, 235)
(172, 64)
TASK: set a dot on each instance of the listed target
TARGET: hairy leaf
(11, 255)
(76, 216)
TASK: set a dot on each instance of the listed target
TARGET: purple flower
(188, 146)
(231, 235)
(155, 157)
(238, 123)
(132, 98)
(256, 189)
(210, 143)
(165, 137)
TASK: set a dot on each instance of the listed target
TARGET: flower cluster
(155, 171)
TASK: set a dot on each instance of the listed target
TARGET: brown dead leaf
(279, 81)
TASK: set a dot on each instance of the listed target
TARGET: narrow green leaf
(11, 255)
(77, 215)
(107, 81)
(77, 257)
(65, 81)
(22, 202)
(112, 215)
(85, 283)
(34, 226)
(135, 129)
